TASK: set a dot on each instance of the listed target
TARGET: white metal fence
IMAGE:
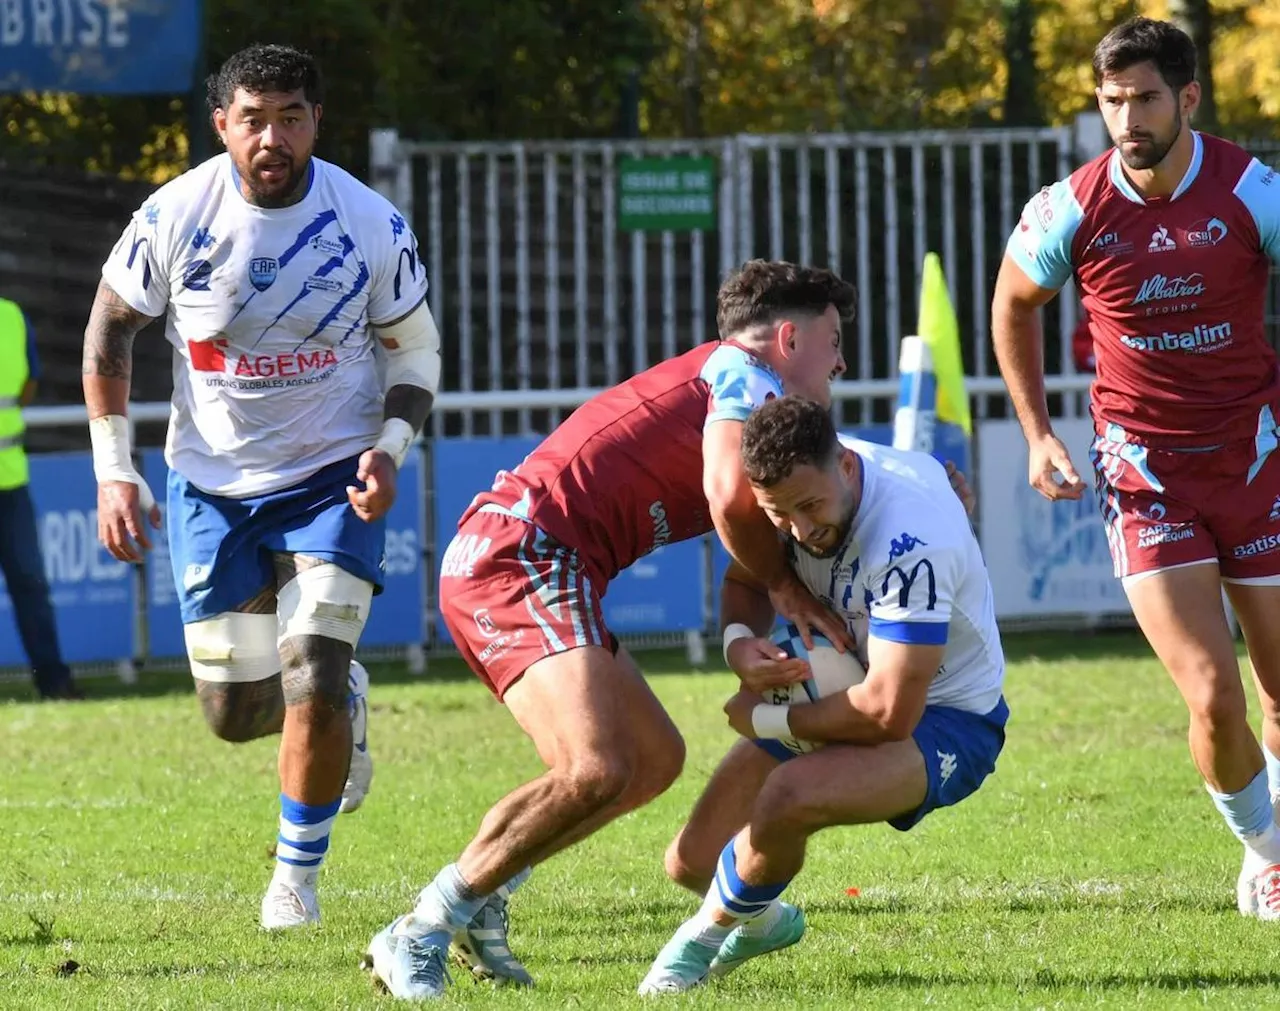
(886, 200)
(538, 289)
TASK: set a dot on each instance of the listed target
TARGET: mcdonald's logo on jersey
(907, 582)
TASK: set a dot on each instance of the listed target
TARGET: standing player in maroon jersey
(653, 461)
(1170, 238)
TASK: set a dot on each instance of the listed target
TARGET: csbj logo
(1207, 233)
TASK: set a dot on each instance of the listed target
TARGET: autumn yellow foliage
(775, 65)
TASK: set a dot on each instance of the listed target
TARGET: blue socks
(730, 894)
(303, 839)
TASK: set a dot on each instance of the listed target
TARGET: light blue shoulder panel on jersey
(1041, 244)
(739, 383)
(1259, 190)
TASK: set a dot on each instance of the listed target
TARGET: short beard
(1143, 162)
(842, 535)
(285, 195)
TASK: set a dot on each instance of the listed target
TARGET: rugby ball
(831, 672)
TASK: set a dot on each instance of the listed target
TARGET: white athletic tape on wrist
(733, 633)
(771, 722)
(113, 456)
(395, 439)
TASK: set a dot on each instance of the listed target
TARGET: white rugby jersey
(911, 571)
(269, 313)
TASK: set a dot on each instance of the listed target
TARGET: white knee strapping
(325, 600)
(233, 647)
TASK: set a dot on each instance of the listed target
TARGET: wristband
(112, 456)
(733, 633)
(771, 722)
(395, 439)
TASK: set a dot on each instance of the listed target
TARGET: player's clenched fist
(740, 709)
(1050, 461)
(378, 472)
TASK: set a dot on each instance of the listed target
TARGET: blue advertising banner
(93, 594)
(461, 469)
(99, 47)
(662, 592)
(164, 623)
(396, 617)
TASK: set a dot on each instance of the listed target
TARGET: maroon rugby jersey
(623, 474)
(1174, 288)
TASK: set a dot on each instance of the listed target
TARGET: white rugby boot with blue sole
(407, 967)
(360, 774)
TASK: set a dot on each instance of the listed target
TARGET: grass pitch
(1090, 870)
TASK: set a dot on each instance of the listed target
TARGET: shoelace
(426, 964)
(288, 902)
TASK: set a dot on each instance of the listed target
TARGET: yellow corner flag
(938, 327)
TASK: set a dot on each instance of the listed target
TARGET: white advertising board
(1045, 558)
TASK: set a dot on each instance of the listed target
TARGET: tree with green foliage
(1195, 17)
(1021, 91)
(502, 69)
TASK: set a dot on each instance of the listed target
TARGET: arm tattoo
(412, 403)
(108, 338)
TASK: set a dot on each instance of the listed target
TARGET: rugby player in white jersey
(277, 274)
(878, 535)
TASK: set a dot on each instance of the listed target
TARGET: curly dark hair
(1141, 39)
(762, 290)
(261, 69)
(784, 434)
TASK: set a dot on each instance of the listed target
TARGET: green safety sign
(666, 194)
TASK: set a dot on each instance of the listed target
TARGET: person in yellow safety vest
(20, 560)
